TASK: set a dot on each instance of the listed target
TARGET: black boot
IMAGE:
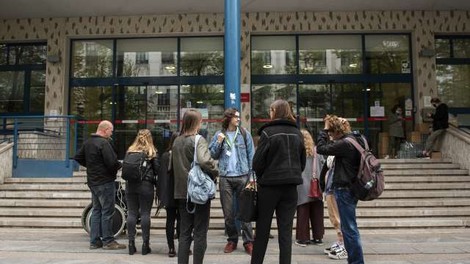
(132, 248)
(146, 248)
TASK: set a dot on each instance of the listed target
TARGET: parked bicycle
(120, 212)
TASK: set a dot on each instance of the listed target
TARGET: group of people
(284, 161)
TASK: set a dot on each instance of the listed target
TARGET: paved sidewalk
(65, 246)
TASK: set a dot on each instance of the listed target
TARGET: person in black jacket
(440, 122)
(140, 194)
(100, 160)
(347, 161)
(165, 192)
(278, 162)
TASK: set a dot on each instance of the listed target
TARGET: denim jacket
(245, 152)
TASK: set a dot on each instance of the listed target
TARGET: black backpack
(135, 166)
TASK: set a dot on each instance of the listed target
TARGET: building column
(232, 54)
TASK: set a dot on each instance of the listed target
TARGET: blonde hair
(143, 142)
(308, 142)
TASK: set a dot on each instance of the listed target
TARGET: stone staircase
(420, 194)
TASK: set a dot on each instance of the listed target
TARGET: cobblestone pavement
(70, 246)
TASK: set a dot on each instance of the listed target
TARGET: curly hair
(143, 142)
(228, 115)
(308, 141)
(338, 124)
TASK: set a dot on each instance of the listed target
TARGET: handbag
(248, 201)
(314, 190)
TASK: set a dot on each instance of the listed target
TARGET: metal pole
(232, 53)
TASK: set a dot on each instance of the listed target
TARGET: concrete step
(46, 194)
(44, 187)
(424, 193)
(420, 166)
(416, 203)
(427, 186)
(414, 161)
(420, 172)
(55, 203)
(401, 178)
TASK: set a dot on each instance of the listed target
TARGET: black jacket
(100, 160)
(280, 156)
(440, 119)
(347, 158)
(166, 181)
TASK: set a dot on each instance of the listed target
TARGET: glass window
(91, 103)
(92, 58)
(202, 56)
(462, 48)
(27, 54)
(452, 84)
(387, 54)
(147, 57)
(209, 100)
(11, 91)
(330, 54)
(36, 93)
(273, 55)
(442, 48)
(262, 97)
(3, 54)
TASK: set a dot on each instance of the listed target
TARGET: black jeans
(196, 224)
(172, 216)
(139, 196)
(283, 200)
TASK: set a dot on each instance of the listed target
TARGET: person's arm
(259, 159)
(326, 147)
(250, 149)
(80, 156)
(205, 160)
(216, 145)
(110, 158)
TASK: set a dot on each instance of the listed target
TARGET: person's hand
(220, 138)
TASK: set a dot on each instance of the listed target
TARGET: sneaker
(423, 155)
(114, 245)
(316, 241)
(339, 253)
(98, 244)
(172, 253)
(248, 248)
(302, 243)
(230, 247)
(333, 247)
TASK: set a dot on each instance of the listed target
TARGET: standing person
(309, 210)
(278, 162)
(233, 147)
(347, 161)
(196, 224)
(396, 131)
(165, 190)
(140, 194)
(100, 160)
(440, 122)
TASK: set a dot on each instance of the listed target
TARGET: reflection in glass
(262, 97)
(92, 58)
(209, 100)
(442, 48)
(147, 57)
(202, 56)
(11, 91)
(461, 48)
(388, 54)
(3, 54)
(91, 103)
(321, 54)
(273, 55)
(453, 84)
(36, 93)
(27, 54)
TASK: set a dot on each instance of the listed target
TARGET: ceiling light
(353, 65)
(170, 67)
(267, 66)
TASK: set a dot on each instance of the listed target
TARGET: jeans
(103, 198)
(230, 188)
(139, 198)
(432, 139)
(196, 225)
(347, 204)
(281, 199)
(172, 216)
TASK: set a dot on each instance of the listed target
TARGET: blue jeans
(103, 198)
(230, 188)
(347, 204)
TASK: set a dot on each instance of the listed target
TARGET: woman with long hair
(278, 162)
(165, 191)
(140, 194)
(192, 224)
(309, 210)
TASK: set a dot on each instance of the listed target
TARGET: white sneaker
(333, 247)
(338, 254)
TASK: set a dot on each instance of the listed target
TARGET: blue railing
(42, 144)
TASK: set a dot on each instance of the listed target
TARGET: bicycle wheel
(119, 220)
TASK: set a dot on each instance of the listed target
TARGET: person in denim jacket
(233, 147)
